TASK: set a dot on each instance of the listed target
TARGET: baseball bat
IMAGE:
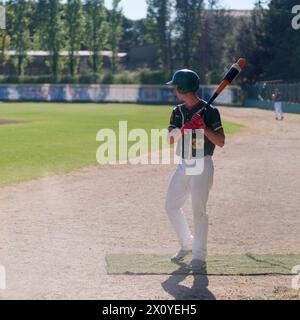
(231, 75)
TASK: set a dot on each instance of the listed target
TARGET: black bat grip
(234, 71)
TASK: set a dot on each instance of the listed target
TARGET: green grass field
(56, 138)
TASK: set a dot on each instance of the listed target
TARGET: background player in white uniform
(192, 115)
(278, 105)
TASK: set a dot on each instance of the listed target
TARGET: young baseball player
(192, 115)
(278, 105)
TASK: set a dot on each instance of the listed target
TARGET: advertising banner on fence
(113, 93)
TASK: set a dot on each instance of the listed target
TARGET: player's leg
(280, 110)
(200, 188)
(276, 110)
(177, 195)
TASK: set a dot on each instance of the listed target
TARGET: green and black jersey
(211, 117)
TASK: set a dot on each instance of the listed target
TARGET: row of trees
(196, 34)
(190, 33)
(55, 25)
(270, 43)
(203, 36)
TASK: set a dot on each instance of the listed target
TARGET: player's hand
(198, 122)
(187, 126)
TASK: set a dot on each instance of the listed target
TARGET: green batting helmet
(186, 81)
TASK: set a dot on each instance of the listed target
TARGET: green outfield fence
(260, 95)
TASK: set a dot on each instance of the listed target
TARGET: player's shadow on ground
(199, 290)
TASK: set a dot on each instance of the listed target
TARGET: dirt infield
(55, 232)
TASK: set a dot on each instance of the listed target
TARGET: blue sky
(136, 9)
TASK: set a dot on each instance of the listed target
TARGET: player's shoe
(180, 255)
(197, 266)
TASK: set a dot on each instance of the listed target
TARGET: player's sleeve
(214, 121)
(175, 121)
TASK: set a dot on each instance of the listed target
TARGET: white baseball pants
(278, 110)
(198, 187)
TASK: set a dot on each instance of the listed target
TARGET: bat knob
(242, 62)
